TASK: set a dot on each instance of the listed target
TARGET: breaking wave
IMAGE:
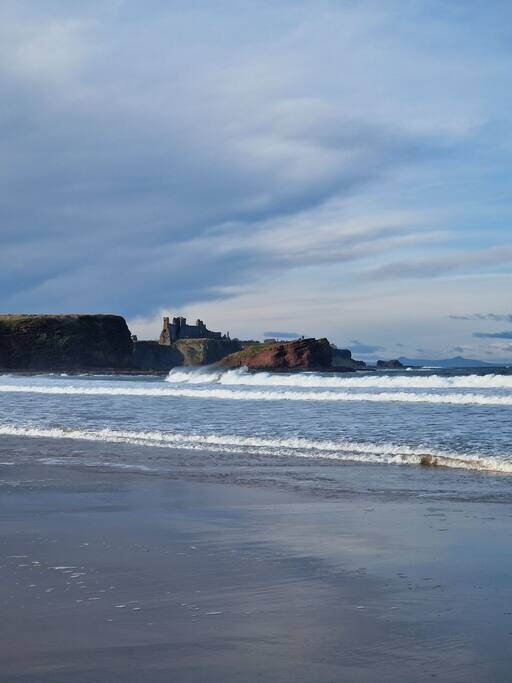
(269, 395)
(242, 377)
(342, 450)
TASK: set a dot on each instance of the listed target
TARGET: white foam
(341, 450)
(241, 377)
(269, 395)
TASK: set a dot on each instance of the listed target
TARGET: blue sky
(326, 168)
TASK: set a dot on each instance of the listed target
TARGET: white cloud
(171, 157)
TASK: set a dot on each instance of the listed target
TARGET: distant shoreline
(162, 373)
(83, 371)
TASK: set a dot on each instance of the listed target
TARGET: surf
(462, 399)
(242, 377)
(342, 450)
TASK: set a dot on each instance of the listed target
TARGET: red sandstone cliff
(302, 354)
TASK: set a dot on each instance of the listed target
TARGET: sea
(430, 433)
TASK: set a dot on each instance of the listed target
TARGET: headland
(104, 343)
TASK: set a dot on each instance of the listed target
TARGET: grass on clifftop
(254, 350)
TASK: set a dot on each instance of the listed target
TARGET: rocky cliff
(302, 354)
(342, 360)
(64, 342)
(206, 351)
(150, 355)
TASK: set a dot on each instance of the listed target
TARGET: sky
(334, 168)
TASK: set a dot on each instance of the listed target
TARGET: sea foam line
(242, 377)
(230, 394)
(342, 450)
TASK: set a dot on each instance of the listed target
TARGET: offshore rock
(302, 354)
(393, 364)
(64, 342)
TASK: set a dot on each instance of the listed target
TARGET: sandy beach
(114, 576)
(255, 341)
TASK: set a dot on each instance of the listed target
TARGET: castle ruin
(180, 329)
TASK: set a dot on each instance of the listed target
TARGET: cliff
(302, 354)
(205, 351)
(64, 342)
(150, 355)
(342, 360)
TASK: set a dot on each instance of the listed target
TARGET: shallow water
(461, 420)
(120, 578)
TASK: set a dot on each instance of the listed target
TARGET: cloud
(142, 146)
(467, 261)
(498, 317)
(360, 347)
(185, 154)
(507, 334)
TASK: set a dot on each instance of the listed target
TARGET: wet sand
(111, 576)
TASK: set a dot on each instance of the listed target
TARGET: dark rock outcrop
(151, 355)
(64, 342)
(302, 354)
(394, 364)
(342, 360)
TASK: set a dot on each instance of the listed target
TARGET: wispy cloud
(444, 264)
(360, 347)
(181, 154)
(506, 334)
(498, 317)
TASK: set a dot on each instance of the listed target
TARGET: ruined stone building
(180, 329)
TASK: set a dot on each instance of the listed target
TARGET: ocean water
(235, 421)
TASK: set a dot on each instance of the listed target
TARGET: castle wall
(180, 329)
(195, 332)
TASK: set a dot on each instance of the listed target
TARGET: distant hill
(455, 362)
